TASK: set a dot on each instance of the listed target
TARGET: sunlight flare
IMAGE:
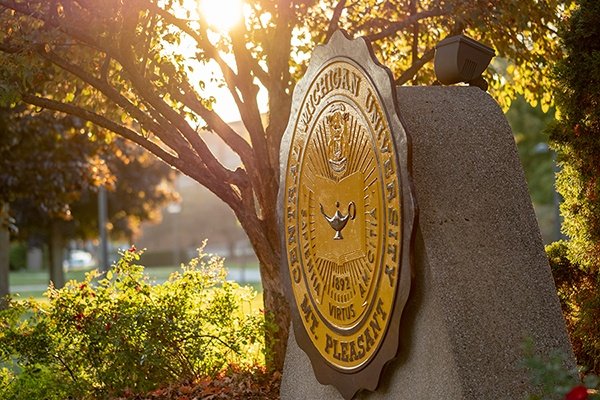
(222, 15)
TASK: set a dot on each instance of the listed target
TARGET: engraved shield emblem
(347, 214)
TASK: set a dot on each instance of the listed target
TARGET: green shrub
(117, 334)
(554, 381)
(35, 382)
(17, 256)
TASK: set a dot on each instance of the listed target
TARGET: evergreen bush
(576, 139)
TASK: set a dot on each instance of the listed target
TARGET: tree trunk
(57, 274)
(264, 237)
(276, 306)
(278, 317)
(4, 254)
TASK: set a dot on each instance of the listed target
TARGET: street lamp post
(102, 222)
(174, 209)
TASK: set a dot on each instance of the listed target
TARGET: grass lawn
(23, 278)
(33, 284)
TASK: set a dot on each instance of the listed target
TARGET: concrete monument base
(481, 284)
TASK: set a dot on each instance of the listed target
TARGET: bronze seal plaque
(347, 215)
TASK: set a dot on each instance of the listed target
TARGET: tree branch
(250, 113)
(335, 19)
(405, 23)
(415, 33)
(204, 44)
(148, 92)
(104, 68)
(197, 170)
(213, 175)
(415, 67)
(175, 142)
(280, 87)
(247, 106)
(103, 122)
(24, 9)
(215, 123)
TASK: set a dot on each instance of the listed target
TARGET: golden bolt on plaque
(347, 215)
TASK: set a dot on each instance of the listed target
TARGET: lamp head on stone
(462, 59)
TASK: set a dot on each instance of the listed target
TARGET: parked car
(79, 259)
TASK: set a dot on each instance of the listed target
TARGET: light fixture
(462, 59)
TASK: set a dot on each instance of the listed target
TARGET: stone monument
(386, 307)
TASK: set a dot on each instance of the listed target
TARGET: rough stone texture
(481, 282)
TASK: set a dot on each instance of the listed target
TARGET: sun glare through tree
(222, 15)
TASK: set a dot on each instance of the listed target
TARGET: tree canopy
(46, 163)
(50, 172)
(144, 69)
(143, 185)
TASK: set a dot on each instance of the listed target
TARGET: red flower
(577, 393)
(132, 249)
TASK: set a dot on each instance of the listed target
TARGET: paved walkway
(244, 275)
(28, 288)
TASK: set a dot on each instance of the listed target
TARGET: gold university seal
(343, 219)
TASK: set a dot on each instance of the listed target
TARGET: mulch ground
(245, 385)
